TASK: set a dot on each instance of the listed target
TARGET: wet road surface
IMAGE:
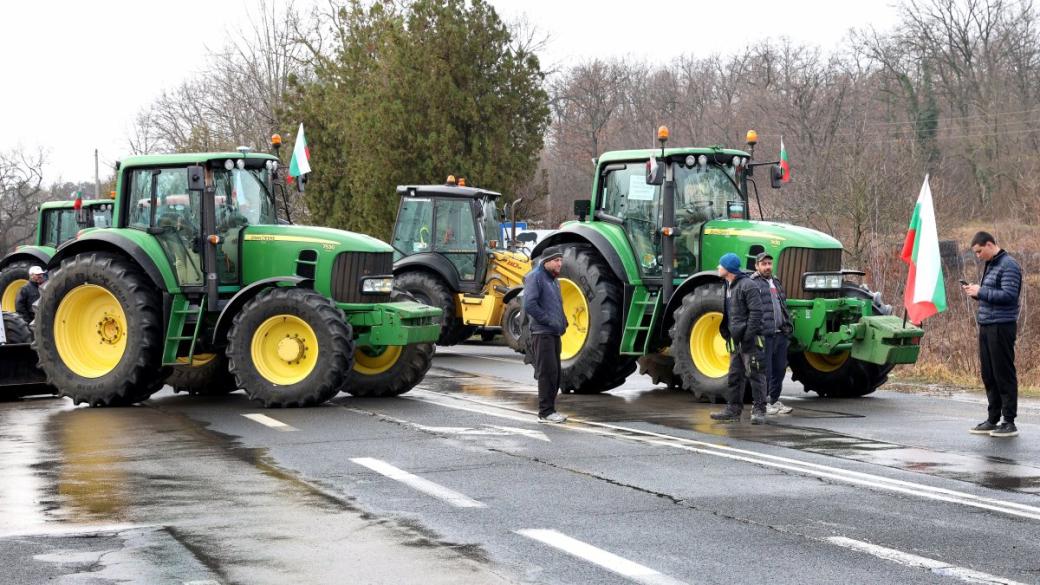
(456, 482)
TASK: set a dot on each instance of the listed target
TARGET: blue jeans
(775, 364)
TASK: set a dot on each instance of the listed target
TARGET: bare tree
(21, 192)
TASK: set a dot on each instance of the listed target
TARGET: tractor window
(59, 226)
(412, 234)
(492, 223)
(101, 215)
(456, 236)
(626, 196)
(241, 199)
(177, 214)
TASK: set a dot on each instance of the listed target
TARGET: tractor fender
(235, 304)
(30, 253)
(579, 234)
(692, 282)
(435, 263)
(512, 294)
(114, 243)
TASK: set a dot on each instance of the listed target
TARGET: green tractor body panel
(615, 236)
(748, 238)
(147, 244)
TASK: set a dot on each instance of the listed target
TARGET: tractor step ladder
(182, 310)
(640, 321)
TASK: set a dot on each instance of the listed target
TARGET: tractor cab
(457, 223)
(60, 221)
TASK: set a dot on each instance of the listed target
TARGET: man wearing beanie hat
(742, 329)
(543, 304)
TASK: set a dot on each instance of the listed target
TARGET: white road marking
(269, 422)
(489, 430)
(761, 459)
(912, 560)
(423, 485)
(597, 556)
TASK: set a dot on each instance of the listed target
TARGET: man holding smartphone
(997, 295)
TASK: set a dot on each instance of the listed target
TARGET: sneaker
(554, 418)
(758, 418)
(778, 408)
(983, 428)
(728, 415)
(1004, 430)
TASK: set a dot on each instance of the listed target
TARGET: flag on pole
(925, 292)
(301, 156)
(78, 203)
(785, 164)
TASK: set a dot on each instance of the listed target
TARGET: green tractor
(59, 222)
(640, 287)
(199, 282)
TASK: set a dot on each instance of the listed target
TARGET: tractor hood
(281, 237)
(770, 234)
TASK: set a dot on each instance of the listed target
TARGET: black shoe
(983, 428)
(728, 415)
(758, 418)
(1004, 430)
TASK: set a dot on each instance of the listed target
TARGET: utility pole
(97, 178)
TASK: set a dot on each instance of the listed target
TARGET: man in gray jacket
(998, 326)
(742, 329)
(543, 304)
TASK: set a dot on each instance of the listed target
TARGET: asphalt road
(456, 482)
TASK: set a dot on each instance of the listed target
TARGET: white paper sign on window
(638, 190)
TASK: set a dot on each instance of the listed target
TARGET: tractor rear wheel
(290, 347)
(512, 325)
(661, 369)
(15, 329)
(99, 331)
(701, 359)
(589, 359)
(388, 371)
(12, 279)
(433, 291)
(207, 375)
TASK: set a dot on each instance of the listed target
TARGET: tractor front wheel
(433, 291)
(290, 347)
(512, 324)
(12, 279)
(701, 359)
(836, 376)
(99, 331)
(206, 375)
(388, 371)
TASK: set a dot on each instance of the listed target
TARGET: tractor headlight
(823, 281)
(377, 285)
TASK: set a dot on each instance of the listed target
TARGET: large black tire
(16, 330)
(700, 374)
(8, 276)
(597, 366)
(210, 378)
(512, 325)
(661, 369)
(332, 334)
(138, 372)
(841, 376)
(433, 291)
(404, 374)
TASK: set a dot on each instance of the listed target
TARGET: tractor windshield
(242, 198)
(59, 225)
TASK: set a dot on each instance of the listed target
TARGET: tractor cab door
(161, 204)
(627, 198)
(413, 233)
(241, 198)
(58, 226)
(457, 238)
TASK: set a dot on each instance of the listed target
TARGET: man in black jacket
(776, 329)
(742, 329)
(29, 294)
(998, 327)
(543, 304)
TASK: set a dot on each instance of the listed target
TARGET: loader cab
(708, 186)
(457, 223)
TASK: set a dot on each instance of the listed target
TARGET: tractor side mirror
(582, 208)
(776, 176)
(196, 178)
(654, 172)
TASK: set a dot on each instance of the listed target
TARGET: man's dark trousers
(745, 367)
(545, 354)
(775, 364)
(997, 356)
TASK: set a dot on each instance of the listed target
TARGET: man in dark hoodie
(998, 327)
(776, 328)
(742, 329)
(543, 304)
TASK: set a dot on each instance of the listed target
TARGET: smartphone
(964, 282)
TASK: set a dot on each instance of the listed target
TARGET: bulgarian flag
(925, 292)
(785, 164)
(301, 156)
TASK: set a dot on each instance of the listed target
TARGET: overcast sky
(76, 73)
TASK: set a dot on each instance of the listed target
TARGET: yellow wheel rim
(10, 296)
(284, 349)
(198, 360)
(370, 361)
(707, 347)
(576, 309)
(90, 331)
(826, 363)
